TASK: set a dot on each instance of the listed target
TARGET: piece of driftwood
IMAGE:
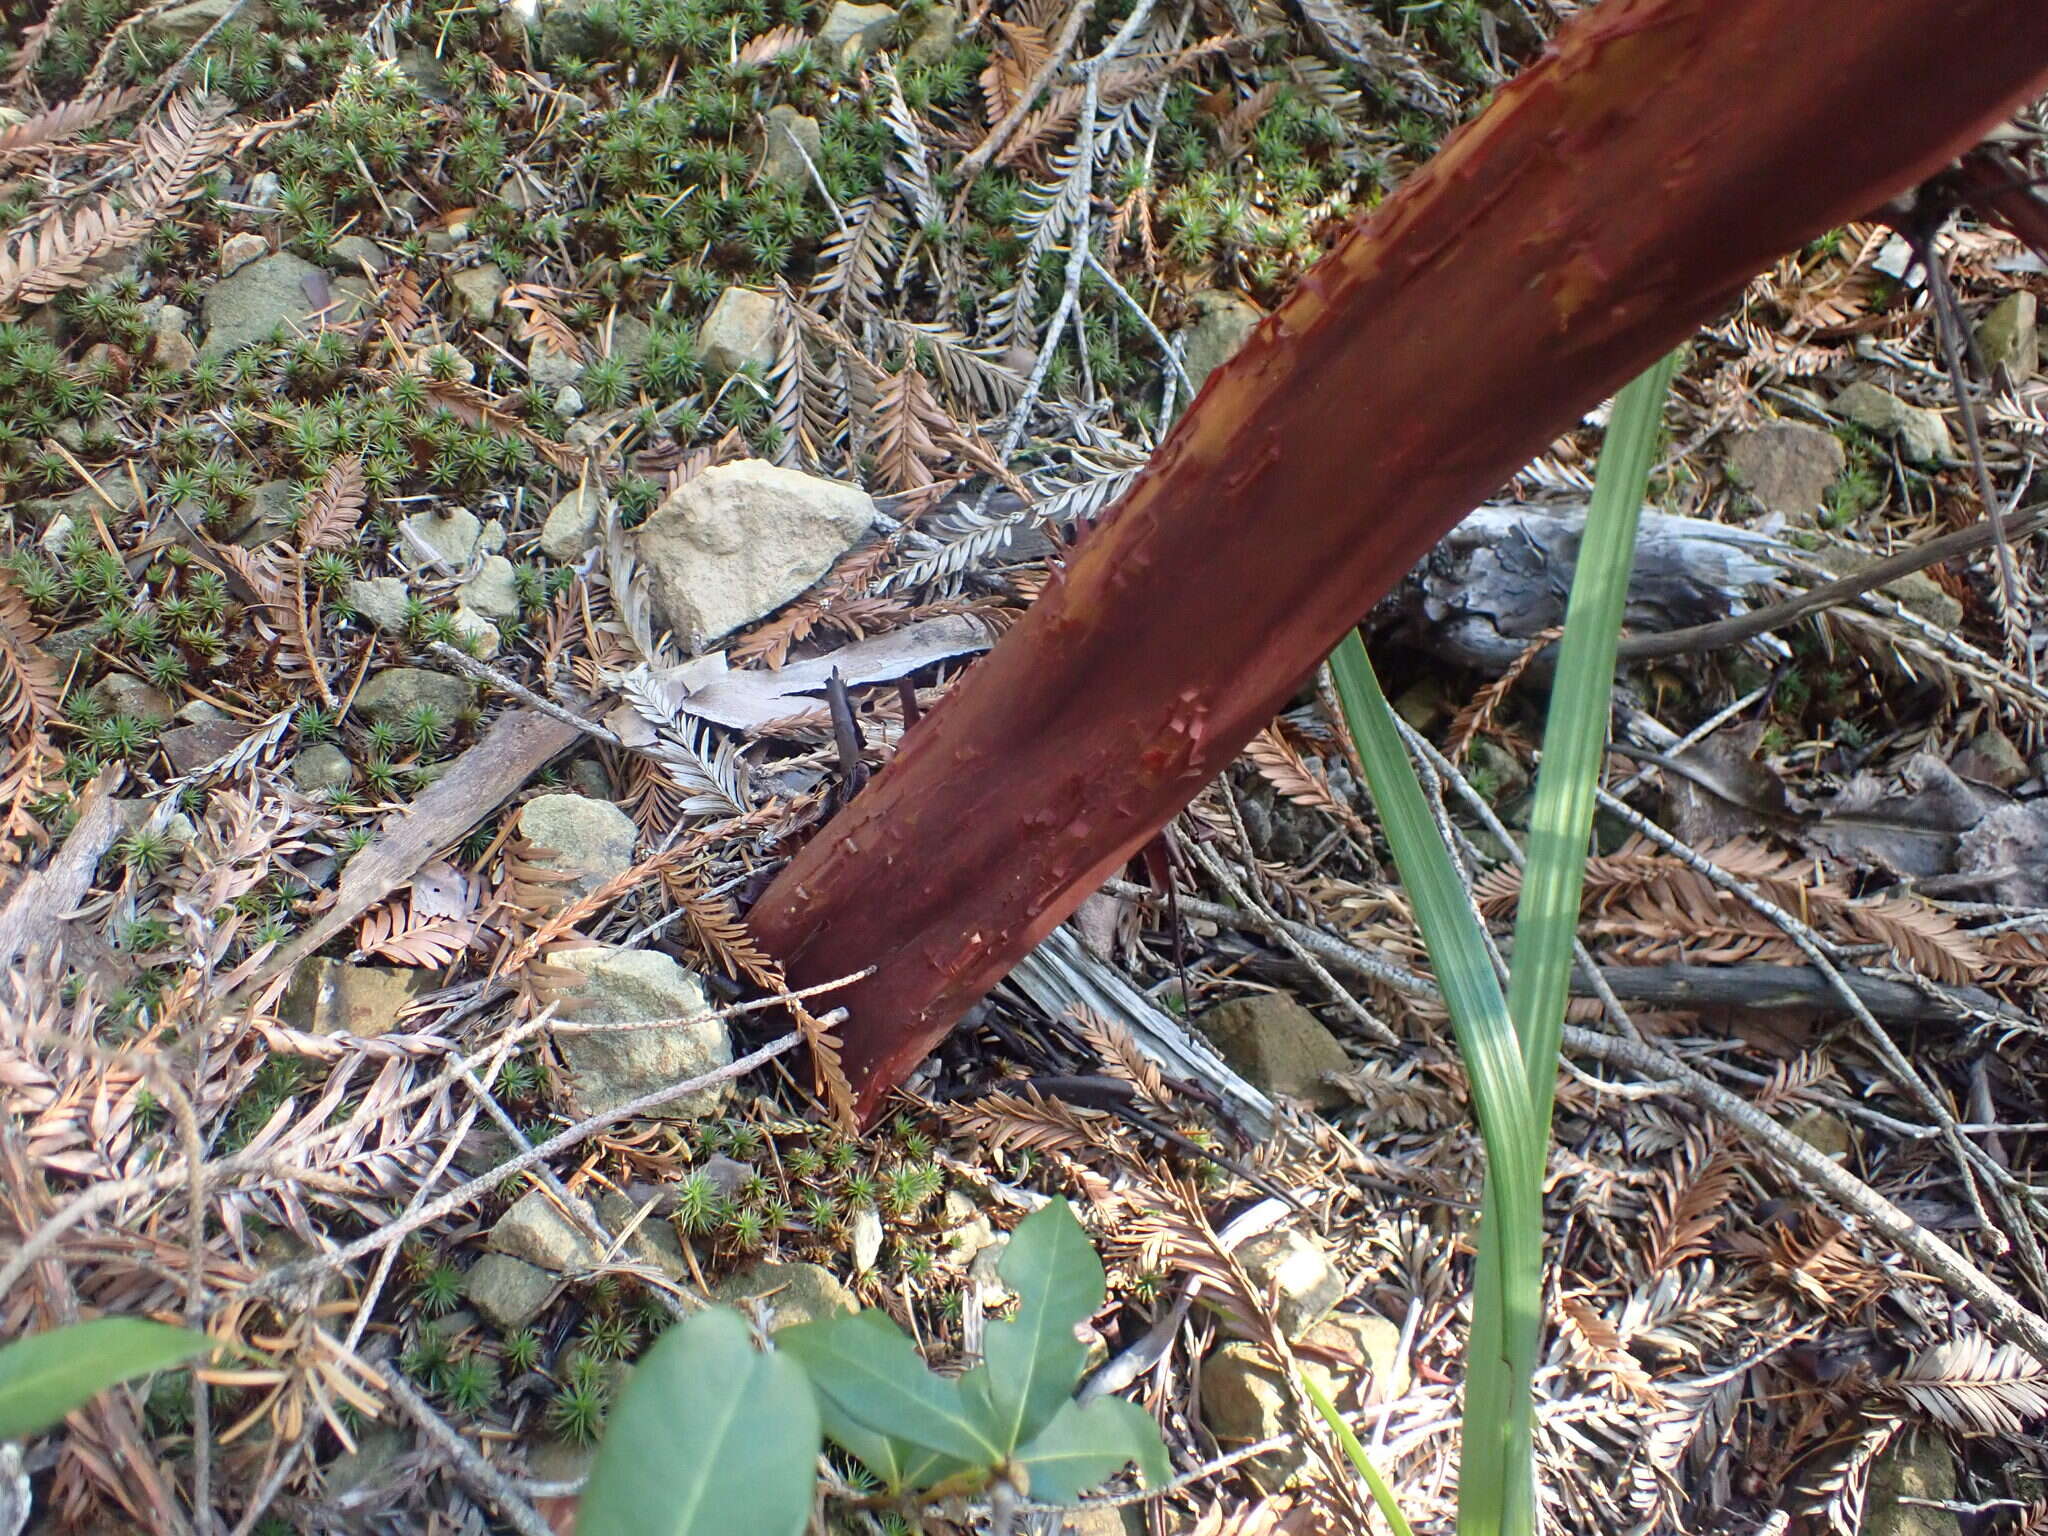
(1500, 578)
(36, 909)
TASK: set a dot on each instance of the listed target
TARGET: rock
(199, 712)
(266, 516)
(368, 1465)
(1919, 1468)
(538, 1230)
(587, 777)
(1244, 1399)
(1278, 1046)
(1916, 591)
(1786, 466)
(396, 692)
(352, 253)
(608, 1068)
(1993, 759)
(1500, 768)
(237, 251)
(787, 139)
(446, 538)
(790, 1293)
(550, 369)
(263, 189)
(1290, 1266)
(353, 297)
(580, 29)
(864, 1236)
(131, 696)
(571, 527)
(2007, 337)
(1827, 1133)
(476, 291)
(173, 350)
(1363, 1341)
(851, 30)
(569, 402)
(1922, 434)
(630, 340)
(263, 298)
(323, 769)
(190, 21)
(509, 1292)
(493, 591)
(194, 746)
(589, 839)
(476, 634)
(654, 1241)
(68, 646)
(740, 540)
(332, 997)
(936, 37)
(382, 600)
(739, 330)
(1223, 320)
(55, 535)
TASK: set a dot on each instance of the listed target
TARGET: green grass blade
(1496, 1476)
(1382, 1495)
(1575, 735)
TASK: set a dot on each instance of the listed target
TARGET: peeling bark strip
(1614, 197)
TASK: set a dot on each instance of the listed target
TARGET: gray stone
(333, 997)
(238, 250)
(188, 22)
(569, 402)
(1245, 1399)
(1922, 434)
(571, 527)
(581, 29)
(476, 291)
(199, 712)
(789, 1293)
(173, 350)
(1290, 1266)
(1919, 1468)
(264, 297)
(352, 253)
(190, 747)
(1278, 1046)
(266, 516)
(1827, 1133)
(1991, 758)
(382, 600)
(587, 777)
(263, 189)
(396, 692)
(2008, 337)
(630, 340)
(1223, 320)
(352, 298)
(851, 30)
(448, 538)
(608, 1068)
(369, 1465)
(509, 1292)
(493, 591)
(55, 535)
(67, 646)
(538, 1230)
(550, 369)
(323, 769)
(788, 137)
(476, 634)
(591, 840)
(1786, 466)
(131, 696)
(936, 37)
(739, 330)
(653, 1241)
(740, 540)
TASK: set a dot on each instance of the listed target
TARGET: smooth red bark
(1618, 194)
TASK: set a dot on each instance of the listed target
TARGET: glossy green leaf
(896, 1464)
(867, 1369)
(1032, 1361)
(710, 1438)
(46, 1375)
(1088, 1442)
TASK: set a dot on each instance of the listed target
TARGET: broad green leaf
(1088, 1442)
(1032, 1361)
(710, 1438)
(1382, 1495)
(46, 1375)
(867, 1368)
(897, 1464)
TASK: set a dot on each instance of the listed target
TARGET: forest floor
(388, 725)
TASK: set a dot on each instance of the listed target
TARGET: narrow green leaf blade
(46, 1375)
(1034, 1359)
(711, 1438)
(871, 1372)
(1088, 1442)
(1382, 1495)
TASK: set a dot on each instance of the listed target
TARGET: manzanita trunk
(1616, 195)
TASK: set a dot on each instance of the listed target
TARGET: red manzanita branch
(1614, 197)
